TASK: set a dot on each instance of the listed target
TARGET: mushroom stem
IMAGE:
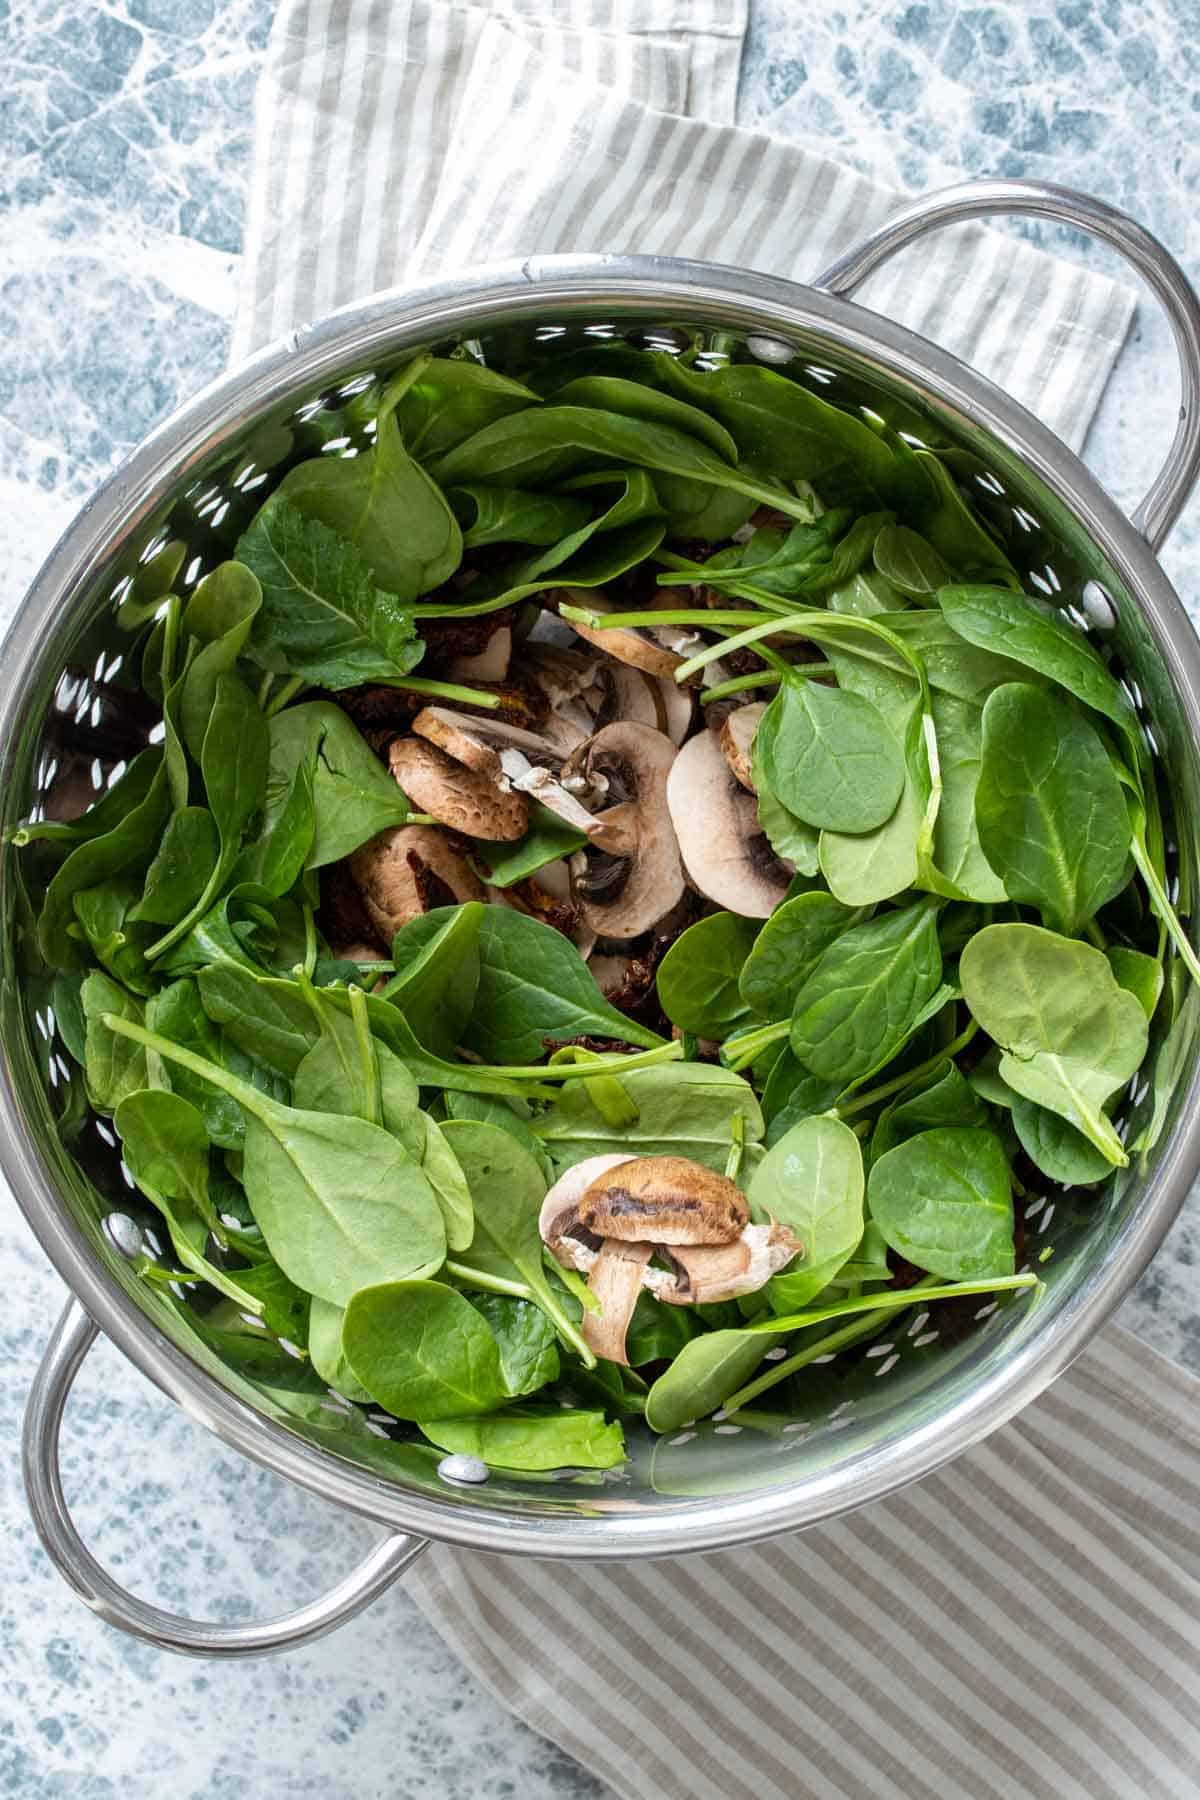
(616, 1281)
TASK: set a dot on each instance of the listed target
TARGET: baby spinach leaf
(1050, 811)
(548, 839)
(268, 1019)
(635, 400)
(175, 1012)
(812, 1181)
(284, 1308)
(698, 977)
(525, 1339)
(958, 855)
(165, 1143)
(947, 1098)
(450, 398)
(219, 615)
(182, 867)
(113, 1065)
(487, 1109)
(909, 562)
(507, 1190)
(110, 807)
(952, 665)
(1069, 1035)
(421, 1350)
(1040, 638)
(684, 1109)
(1058, 1149)
(386, 505)
(865, 868)
(658, 1332)
(943, 1200)
(354, 797)
(785, 952)
(829, 757)
(436, 983)
(865, 596)
(952, 528)
(556, 441)
(534, 989)
(127, 847)
(326, 1354)
(1139, 974)
(703, 1375)
(534, 1438)
(322, 615)
(496, 515)
(789, 837)
(792, 1094)
(104, 917)
(858, 1005)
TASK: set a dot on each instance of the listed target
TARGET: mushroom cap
(664, 1200)
(560, 1208)
(394, 872)
(475, 742)
(642, 878)
(455, 795)
(628, 644)
(724, 848)
(737, 740)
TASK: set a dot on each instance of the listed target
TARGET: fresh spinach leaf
(1070, 1037)
(829, 757)
(785, 952)
(436, 983)
(1139, 974)
(535, 1438)
(943, 1200)
(127, 847)
(182, 867)
(858, 1005)
(703, 1375)
(219, 616)
(165, 1144)
(496, 515)
(526, 1341)
(1057, 1148)
(1050, 811)
(812, 1181)
(789, 837)
(684, 1109)
(698, 977)
(422, 1350)
(354, 797)
(322, 615)
(548, 839)
(946, 1098)
(326, 1354)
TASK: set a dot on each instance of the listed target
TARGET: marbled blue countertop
(125, 139)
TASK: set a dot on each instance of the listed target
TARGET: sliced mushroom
(629, 644)
(490, 663)
(737, 740)
(636, 876)
(355, 953)
(704, 1273)
(665, 1200)
(723, 846)
(616, 1281)
(403, 872)
(462, 798)
(558, 1221)
(505, 753)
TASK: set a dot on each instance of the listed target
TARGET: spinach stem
(1162, 905)
(737, 1145)
(488, 1284)
(247, 1096)
(893, 1300)
(839, 1339)
(373, 1103)
(264, 690)
(738, 684)
(310, 940)
(753, 1043)
(443, 690)
(887, 1088)
(170, 642)
(294, 685)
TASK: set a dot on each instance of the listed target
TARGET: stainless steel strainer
(69, 712)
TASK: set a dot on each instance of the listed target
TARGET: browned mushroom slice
(724, 848)
(407, 871)
(630, 644)
(456, 796)
(666, 1199)
(616, 1281)
(558, 1221)
(704, 1273)
(737, 740)
(505, 753)
(627, 885)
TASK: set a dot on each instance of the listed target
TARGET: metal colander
(72, 712)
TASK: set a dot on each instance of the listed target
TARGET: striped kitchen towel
(1024, 1625)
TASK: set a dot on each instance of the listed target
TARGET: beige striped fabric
(1026, 1624)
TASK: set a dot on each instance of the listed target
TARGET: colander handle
(73, 1337)
(969, 200)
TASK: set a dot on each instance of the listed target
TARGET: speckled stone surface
(125, 137)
